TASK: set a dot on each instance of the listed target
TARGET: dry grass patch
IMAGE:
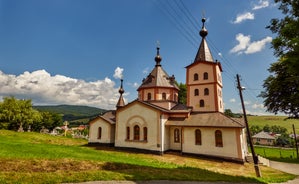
(36, 165)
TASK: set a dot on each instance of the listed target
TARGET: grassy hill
(30, 157)
(73, 113)
(274, 120)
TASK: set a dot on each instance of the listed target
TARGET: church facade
(157, 122)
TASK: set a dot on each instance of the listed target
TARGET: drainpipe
(181, 140)
(161, 135)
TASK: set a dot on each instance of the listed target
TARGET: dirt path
(288, 168)
(285, 167)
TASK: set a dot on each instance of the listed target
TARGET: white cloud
(146, 70)
(232, 100)
(242, 17)
(248, 47)
(118, 73)
(257, 106)
(247, 102)
(261, 4)
(243, 43)
(45, 89)
(258, 45)
(134, 85)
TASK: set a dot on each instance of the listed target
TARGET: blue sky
(76, 51)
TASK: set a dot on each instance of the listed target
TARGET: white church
(156, 122)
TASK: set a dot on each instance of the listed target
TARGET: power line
(184, 21)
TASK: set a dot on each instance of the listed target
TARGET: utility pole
(255, 158)
(296, 144)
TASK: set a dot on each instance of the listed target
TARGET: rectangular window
(176, 135)
(99, 132)
(145, 133)
(197, 137)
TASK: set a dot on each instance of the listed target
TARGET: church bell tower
(203, 79)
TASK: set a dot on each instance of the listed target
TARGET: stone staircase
(262, 160)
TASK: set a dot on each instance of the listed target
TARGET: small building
(263, 138)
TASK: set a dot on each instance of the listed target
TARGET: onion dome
(203, 32)
(158, 58)
(121, 101)
(121, 90)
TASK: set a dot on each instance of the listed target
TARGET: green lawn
(278, 154)
(39, 158)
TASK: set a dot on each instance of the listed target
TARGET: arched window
(197, 137)
(201, 103)
(128, 133)
(145, 133)
(149, 96)
(218, 138)
(99, 132)
(163, 96)
(196, 92)
(206, 91)
(195, 77)
(205, 76)
(136, 132)
(176, 135)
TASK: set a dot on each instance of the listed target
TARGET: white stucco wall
(143, 116)
(230, 136)
(107, 132)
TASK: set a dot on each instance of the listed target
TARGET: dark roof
(158, 78)
(180, 107)
(203, 53)
(214, 119)
(108, 116)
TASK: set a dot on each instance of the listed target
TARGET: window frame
(206, 91)
(176, 135)
(136, 129)
(218, 138)
(198, 136)
(99, 132)
(149, 96)
(145, 133)
(196, 92)
(205, 76)
(195, 77)
(164, 96)
(201, 103)
(128, 133)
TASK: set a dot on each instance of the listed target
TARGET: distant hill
(73, 113)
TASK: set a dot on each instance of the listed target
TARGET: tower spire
(158, 58)
(121, 101)
(203, 53)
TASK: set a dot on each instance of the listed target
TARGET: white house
(156, 122)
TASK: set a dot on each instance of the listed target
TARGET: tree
(48, 120)
(254, 129)
(228, 113)
(267, 128)
(182, 93)
(281, 88)
(14, 112)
